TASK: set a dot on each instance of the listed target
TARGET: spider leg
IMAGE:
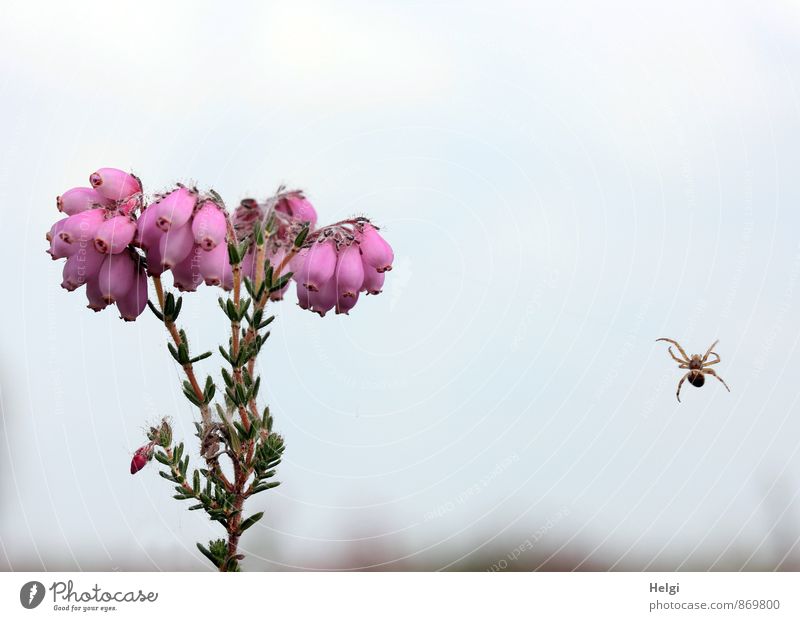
(708, 364)
(678, 392)
(708, 351)
(676, 344)
(712, 372)
(674, 357)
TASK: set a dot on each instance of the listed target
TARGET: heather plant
(115, 242)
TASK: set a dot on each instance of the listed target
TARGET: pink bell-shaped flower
(116, 276)
(318, 266)
(175, 209)
(82, 266)
(375, 250)
(141, 457)
(133, 303)
(373, 280)
(186, 275)
(94, 295)
(349, 275)
(114, 184)
(209, 225)
(324, 299)
(215, 266)
(77, 200)
(147, 233)
(175, 245)
(297, 206)
(82, 227)
(344, 303)
(114, 235)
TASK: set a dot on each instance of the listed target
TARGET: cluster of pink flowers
(95, 239)
(108, 225)
(337, 262)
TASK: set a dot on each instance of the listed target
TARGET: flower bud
(77, 200)
(114, 235)
(140, 458)
(318, 266)
(297, 206)
(175, 245)
(209, 225)
(114, 184)
(349, 274)
(215, 266)
(373, 280)
(134, 301)
(375, 250)
(82, 227)
(116, 276)
(186, 274)
(83, 265)
(175, 209)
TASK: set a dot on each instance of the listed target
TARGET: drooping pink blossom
(318, 266)
(175, 245)
(324, 299)
(175, 209)
(186, 275)
(134, 301)
(209, 225)
(373, 280)
(114, 234)
(344, 303)
(349, 275)
(81, 266)
(77, 200)
(114, 184)
(147, 232)
(82, 227)
(116, 276)
(215, 266)
(59, 249)
(375, 250)
(94, 295)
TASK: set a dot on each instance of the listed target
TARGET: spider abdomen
(697, 379)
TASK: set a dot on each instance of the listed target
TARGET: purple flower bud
(82, 227)
(325, 299)
(344, 303)
(297, 206)
(147, 233)
(77, 200)
(115, 184)
(94, 295)
(114, 235)
(215, 266)
(132, 303)
(375, 250)
(175, 209)
(186, 275)
(116, 276)
(83, 265)
(175, 245)
(209, 225)
(373, 280)
(318, 266)
(349, 274)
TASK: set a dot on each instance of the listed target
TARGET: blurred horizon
(562, 185)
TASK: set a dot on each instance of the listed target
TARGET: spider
(696, 365)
